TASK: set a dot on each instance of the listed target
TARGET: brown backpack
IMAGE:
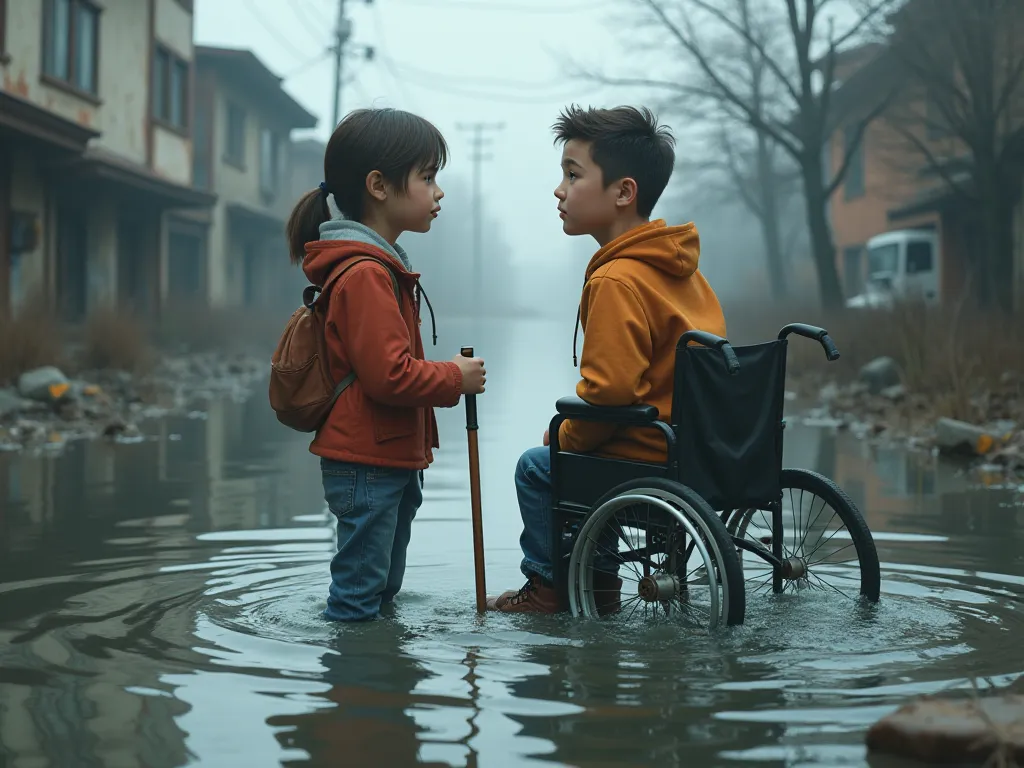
(302, 391)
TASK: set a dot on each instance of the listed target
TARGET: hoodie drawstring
(575, 335)
(421, 294)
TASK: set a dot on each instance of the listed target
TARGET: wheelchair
(687, 539)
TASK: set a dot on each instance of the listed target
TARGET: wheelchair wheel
(824, 543)
(654, 549)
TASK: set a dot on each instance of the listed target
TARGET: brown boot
(607, 592)
(534, 597)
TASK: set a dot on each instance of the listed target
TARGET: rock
(856, 389)
(829, 392)
(45, 384)
(1010, 456)
(967, 731)
(952, 436)
(880, 373)
(114, 427)
(1004, 428)
(895, 393)
(11, 402)
(25, 430)
(69, 410)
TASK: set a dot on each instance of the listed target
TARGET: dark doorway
(72, 264)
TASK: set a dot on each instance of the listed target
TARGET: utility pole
(342, 32)
(477, 141)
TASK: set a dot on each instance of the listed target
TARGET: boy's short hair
(624, 141)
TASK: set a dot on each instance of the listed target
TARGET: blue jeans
(533, 486)
(374, 508)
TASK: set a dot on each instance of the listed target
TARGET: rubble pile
(45, 408)
(878, 404)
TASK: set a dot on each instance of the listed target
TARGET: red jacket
(385, 417)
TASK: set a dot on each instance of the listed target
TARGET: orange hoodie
(642, 292)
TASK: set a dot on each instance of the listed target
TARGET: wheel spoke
(851, 544)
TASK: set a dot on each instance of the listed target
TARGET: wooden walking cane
(474, 495)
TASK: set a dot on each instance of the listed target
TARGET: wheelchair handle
(732, 363)
(813, 333)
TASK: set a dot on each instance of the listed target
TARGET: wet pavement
(159, 606)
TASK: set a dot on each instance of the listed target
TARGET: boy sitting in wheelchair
(642, 291)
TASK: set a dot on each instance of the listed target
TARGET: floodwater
(159, 606)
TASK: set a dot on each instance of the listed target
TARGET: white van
(903, 264)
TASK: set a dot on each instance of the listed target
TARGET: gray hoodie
(345, 229)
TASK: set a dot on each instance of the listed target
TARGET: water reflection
(159, 605)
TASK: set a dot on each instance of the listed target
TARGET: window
(71, 43)
(201, 167)
(919, 257)
(883, 260)
(853, 184)
(268, 163)
(234, 141)
(4, 58)
(170, 89)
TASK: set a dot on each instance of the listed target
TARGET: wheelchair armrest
(813, 333)
(630, 415)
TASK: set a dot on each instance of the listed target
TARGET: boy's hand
(474, 376)
(547, 438)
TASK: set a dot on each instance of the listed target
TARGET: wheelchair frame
(573, 494)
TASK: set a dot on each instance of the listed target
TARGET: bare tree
(744, 166)
(748, 159)
(963, 116)
(741, 164)
(797, 118)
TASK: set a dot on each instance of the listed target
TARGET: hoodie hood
(344, 229)
(341, 239)
(672, 250)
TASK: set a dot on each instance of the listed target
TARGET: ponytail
(304, 223)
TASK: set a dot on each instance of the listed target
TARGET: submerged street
(159, 606)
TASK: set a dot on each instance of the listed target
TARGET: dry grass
(965, 361)
(115, 340)
(200, 328)
(30, 339)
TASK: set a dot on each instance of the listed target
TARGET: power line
(468, 5)
(303, 18)
(389, 65)
(274, 32)
(477, 141)
(493, 82)
(306, 65)
(431, 83)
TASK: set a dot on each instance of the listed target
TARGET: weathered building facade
(95, 150)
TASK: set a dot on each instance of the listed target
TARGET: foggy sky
(468, 48)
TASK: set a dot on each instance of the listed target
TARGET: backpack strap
(310, 299)
(312, 294)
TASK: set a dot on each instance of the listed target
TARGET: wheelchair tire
(805, 481)
(716, 545)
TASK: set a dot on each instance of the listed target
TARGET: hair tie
(323, 189)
